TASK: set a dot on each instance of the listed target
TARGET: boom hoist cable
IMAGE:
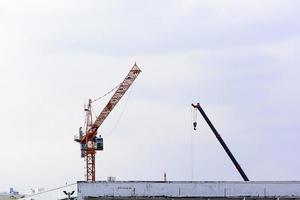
(110, 91)
(121, 114)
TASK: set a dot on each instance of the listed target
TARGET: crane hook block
(195, 125)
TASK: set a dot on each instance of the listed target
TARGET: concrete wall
(189, 189)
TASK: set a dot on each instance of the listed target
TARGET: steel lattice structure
(88, 138)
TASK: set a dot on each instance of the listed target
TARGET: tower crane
(87, 138)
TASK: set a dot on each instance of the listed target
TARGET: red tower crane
(87, 138)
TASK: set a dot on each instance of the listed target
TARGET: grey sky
(238, 58)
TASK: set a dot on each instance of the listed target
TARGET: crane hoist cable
(194, 118)
(122, 113)
(192, 143)
(101, 97)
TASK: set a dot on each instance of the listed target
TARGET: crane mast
(87, 138)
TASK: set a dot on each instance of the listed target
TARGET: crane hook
(194, 118)
(195, 126)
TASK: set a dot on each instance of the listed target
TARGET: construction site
(209, 110)
(91, 142)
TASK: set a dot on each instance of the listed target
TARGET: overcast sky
(239, 59)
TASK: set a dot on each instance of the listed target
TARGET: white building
(180, 190)
(186, 189)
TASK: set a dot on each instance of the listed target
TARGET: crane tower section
(87, 138)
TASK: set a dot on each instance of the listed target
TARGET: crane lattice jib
(123, 87)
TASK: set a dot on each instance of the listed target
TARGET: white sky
(239, 59)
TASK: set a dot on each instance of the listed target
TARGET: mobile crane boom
(236, 164)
